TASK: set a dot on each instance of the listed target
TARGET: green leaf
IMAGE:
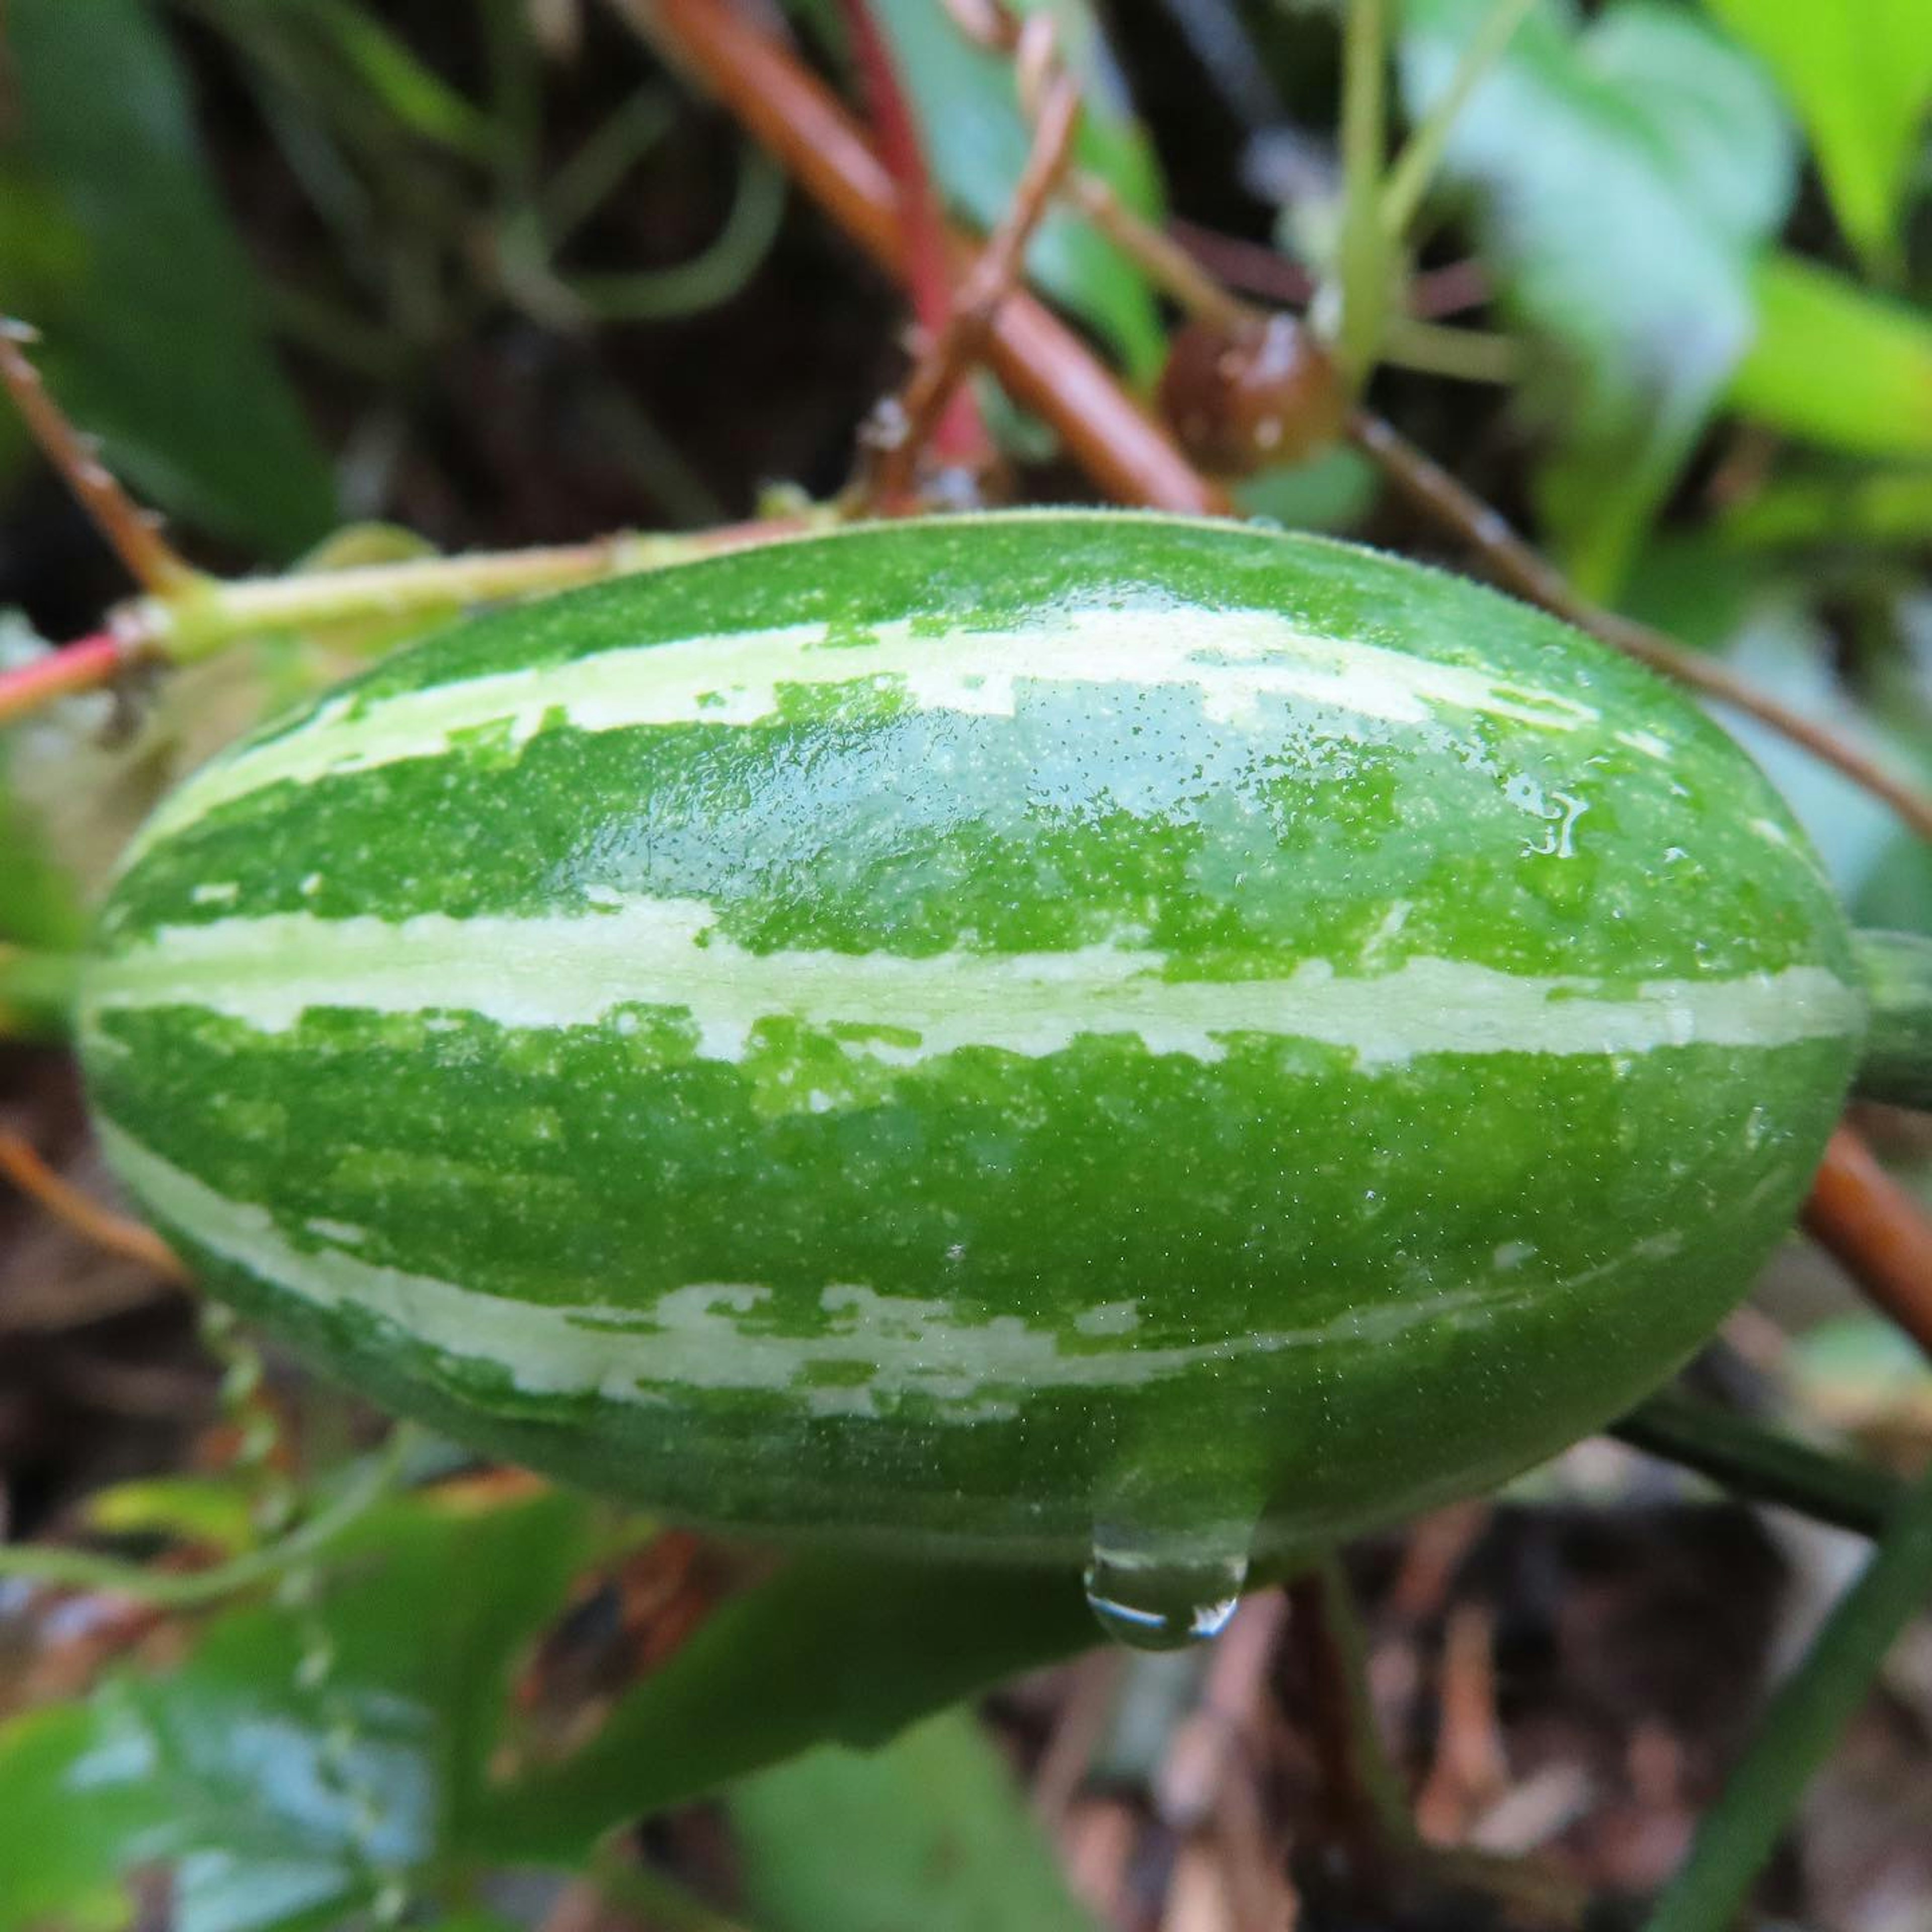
(213, 1510)
(304, 1760)
(835, 1649)
(40, 898)
(299, 1761)
(1334, 491)
(1621, 178)
(1859, 73)
(418, 98)
(1836, 364)
(154, 341)
(929, 1831)
(1837, 507)
(976, 144)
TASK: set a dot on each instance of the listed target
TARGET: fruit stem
(1896, 969)
(1802, 1725)
(215, 614)
(315, 600)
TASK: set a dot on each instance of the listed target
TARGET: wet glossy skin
(1023, 1051)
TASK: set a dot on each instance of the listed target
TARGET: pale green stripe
(559, 972)
(718, 1336)
(1234, 658)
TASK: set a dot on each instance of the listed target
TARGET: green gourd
(1084, 1038)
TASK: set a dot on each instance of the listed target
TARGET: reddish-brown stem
(961, 343)
(1876, 1231)
(83, 665)
(957, 434)
(1256, 269)
(1253, 267)
(1530, 574)
(1043, 364)
(128, 528)
(1449, 290)
(26, 1170)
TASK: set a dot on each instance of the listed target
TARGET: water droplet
(1162, 1593)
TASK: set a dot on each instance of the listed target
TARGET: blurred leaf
(211, 1510)
(835, 1649)
(155, 341)
(40, 898)
(1622, 177)
(1739, 605)
(1861, 1374)
(299, 1762)
(1896, 895)
(1859, 73)
(72, 792)
(420, 98)
(1784, 650)
(1334, 491)
(305, 1759)
(1837, 507)
(976, 144)
(929, 1831)
(1836, 364)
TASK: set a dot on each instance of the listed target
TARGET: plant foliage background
(344, 280)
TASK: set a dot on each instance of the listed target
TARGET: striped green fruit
(1032, 1033)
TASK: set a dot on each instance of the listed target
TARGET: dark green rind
(1057, 827)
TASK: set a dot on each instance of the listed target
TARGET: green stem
(36, 993)
(217, 614)
(1463, 355)
(1759, 1463)
(1896, 969)
(1415, 167)
(713, 276)
(1803, 1724)
(80, 1570)
(585, 181)
(1374, 1772)
(1365, 256)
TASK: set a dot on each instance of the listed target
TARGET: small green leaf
(1621, 178)
(154, 341)
(929, 1832)
(976, 144)
(300, 1761)
(835, 1649)
(1859, 73)
(207, 1510)
(1834, 364)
